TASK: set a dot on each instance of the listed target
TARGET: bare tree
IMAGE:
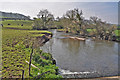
(45, 17)
(76, 17)
(103, 29)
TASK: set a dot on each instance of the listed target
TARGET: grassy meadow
(16, 49)
(19, 24)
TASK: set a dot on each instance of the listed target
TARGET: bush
(47, 56)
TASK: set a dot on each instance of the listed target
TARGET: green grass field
(13, 57)
(18, 24)
(16, 49)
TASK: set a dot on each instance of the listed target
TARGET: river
(86, 59)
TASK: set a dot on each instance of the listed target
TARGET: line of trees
(74, 22)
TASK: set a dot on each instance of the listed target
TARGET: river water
(84, 58)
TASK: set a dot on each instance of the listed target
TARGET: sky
(107, 10)
(59, 0)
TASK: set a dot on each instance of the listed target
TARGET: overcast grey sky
(59, 0)
(107, 11)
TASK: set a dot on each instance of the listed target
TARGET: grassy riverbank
(91, 31)
(117, 32)
(16, 49)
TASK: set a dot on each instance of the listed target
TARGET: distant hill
(13, 16)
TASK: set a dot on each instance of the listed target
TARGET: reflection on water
(80, 56)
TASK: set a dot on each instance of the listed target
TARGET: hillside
(13, 16)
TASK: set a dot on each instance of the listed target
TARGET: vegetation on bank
(45, 63)
(117, 32)
(16, 49)
(74, 22)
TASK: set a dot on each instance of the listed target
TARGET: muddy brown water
(83, 58)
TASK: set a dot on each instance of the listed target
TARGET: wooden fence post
(30, 60)
(22, 74)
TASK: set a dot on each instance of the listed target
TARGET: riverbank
(115, 38)
(16, 48)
